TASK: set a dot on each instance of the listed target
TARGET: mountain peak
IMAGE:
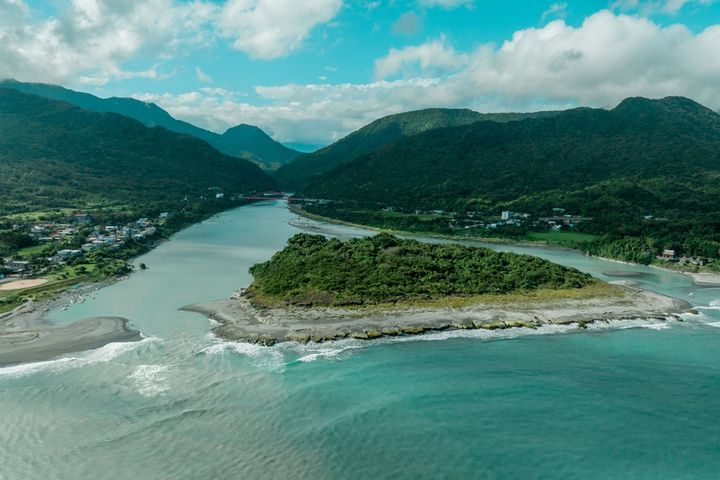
(152, 115)
(676, 103)
(245, 129)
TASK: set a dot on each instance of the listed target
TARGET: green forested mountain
(648, 169)
(251, 143)
(58, 155)
(243, 141)
(301, 172)
(647, 156)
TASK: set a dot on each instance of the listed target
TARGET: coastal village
(57, 243)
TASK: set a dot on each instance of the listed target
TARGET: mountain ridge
(262, 149)
(55, 154)
(299, 173)
(502, 162)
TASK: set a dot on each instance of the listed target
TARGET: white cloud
(446, 3)
(649, 7)
(90, 41)
(202, 76)
(432, 55)
(409, 23)
(608, 58)
(267, 29)
(556, 10)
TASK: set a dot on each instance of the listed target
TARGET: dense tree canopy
(315, 270)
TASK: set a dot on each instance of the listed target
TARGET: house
(506, 215)
(219, 196)
(668, 254)
(83, 218)
(17, 266)
(63, 255)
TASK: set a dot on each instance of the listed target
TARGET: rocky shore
(239, 320)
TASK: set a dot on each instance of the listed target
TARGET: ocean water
(638, 400)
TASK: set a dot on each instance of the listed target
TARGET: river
(641, 402)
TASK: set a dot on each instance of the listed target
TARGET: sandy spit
(26, 336)
(47, 342)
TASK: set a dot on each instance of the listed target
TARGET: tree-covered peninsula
(316, 271)
(318, 289)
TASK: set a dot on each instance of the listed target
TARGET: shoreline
(700, 279)
(239, 320)
(438, 236)
(26, 335)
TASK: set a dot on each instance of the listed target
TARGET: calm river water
(640, 402)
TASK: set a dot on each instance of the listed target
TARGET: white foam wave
(275, 357)
(710, 307)
(328, 350)
(150, 380)
(101, 355)
(267, 357)
(715, 303)
(713, 324)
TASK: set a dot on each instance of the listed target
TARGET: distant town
(59, 243)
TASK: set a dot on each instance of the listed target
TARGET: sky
(312, 71)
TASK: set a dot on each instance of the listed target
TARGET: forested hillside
(245, 141)
(648, 169)
(299, 173)
(53, 154)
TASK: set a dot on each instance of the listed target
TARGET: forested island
(319, 289)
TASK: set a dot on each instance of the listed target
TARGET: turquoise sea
(640, 400)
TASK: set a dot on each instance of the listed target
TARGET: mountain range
(53, 154)
(647, 155)
(300, 173)
(244, 141)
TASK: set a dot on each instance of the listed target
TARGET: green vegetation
(300, 173)
(53, 155)
(56, 158)
(565, 238)
(245, 141)
(644, 173)
(313, 270)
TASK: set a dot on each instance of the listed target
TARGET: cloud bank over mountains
(612, 54)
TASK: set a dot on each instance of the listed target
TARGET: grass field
(561, 237)
(34, 250)
(36, 215)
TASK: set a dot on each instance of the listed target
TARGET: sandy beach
(20, 284)
(239, 320)
(26, 336)
(706, 279)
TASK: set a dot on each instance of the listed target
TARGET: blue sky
(311, 71)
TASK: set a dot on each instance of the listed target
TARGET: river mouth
(627, 274)
(181, 404)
